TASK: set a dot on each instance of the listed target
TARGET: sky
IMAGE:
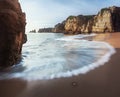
(47, 13)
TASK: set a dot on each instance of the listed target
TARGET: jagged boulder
(12, 32)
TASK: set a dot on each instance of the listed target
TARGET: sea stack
(12, 32)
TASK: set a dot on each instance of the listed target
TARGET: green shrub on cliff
(103, 10)
(71, 17)
(88, 17)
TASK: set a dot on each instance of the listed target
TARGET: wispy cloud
(46, 13)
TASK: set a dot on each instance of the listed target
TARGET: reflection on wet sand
(100, 82)
(12, 87)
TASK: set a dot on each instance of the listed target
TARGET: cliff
(107, 20)
(60, 27)
(77, 24)
(12, 32)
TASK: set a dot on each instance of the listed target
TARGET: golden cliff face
(107, 20)
(102, 22)
(76, 24)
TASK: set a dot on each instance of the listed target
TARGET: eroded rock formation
(33, 31)
(12, 32)
(43, 30)
(60, 27)
(107, 20)
(77, 24)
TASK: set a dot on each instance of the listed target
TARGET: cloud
(46, 13)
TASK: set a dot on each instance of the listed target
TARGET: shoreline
(100, 82)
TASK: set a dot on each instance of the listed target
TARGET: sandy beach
(100, 82)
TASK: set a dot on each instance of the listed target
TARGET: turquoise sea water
(51, 55)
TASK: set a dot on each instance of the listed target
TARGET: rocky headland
(33, 31)
(43, 30)
(12, 32)
(60, 27)
(107, 20)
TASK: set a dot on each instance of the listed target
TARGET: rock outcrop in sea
(43, 30)
(107, 20)
(33, 31)
(12, 32)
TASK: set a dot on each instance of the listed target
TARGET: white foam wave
(76, 37)
(44, 69)
(82, 70)
(105, 58)
(90, 67)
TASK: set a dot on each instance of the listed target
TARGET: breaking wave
(49, 55)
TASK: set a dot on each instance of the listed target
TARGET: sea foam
(49, 56)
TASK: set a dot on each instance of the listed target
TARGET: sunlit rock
(107, 20)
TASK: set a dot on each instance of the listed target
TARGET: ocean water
(51, 55)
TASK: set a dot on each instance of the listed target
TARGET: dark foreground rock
(12, 32)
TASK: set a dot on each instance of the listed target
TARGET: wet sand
(101, 82)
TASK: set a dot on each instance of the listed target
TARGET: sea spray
(49, 56)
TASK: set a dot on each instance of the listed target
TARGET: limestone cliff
(77, 24)
(12, 32)
(60, 27)
(107, 20)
